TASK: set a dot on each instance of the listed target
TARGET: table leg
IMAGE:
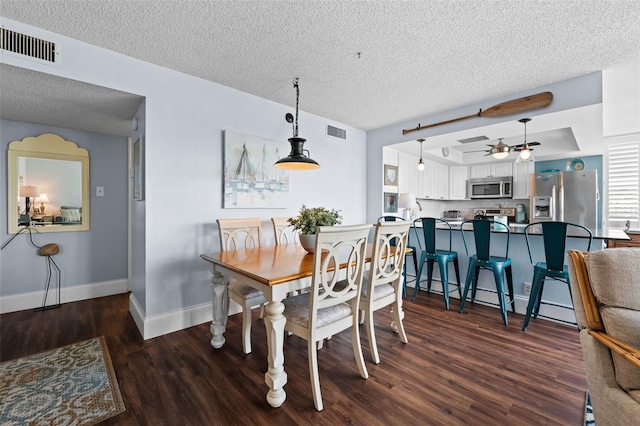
(219, 307)
(275, 377)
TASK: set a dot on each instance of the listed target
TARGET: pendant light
(296, 160)
(525, 153)
(420, 163)
(500, 150)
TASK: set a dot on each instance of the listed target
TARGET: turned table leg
(275, 377)
(219, 307)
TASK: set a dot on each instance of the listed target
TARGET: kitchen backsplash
(432, 208)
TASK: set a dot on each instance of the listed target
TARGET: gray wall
(86, 257)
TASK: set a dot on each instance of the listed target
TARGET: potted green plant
(308, 221)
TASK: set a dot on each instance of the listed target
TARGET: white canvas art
(250, 180)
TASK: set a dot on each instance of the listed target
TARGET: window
(624, 183)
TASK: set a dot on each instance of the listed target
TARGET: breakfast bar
(521, 265)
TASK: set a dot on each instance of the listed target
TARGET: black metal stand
(50, 263)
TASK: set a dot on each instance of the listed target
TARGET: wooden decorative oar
(515, 106)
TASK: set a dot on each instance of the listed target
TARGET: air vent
(336, 132)
(23, 44)
(475, 139)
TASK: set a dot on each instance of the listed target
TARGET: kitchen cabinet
(458, 176)
(407, 173)
(521, 179)
(634, 242)
(427, 179)
(441, 180)
(491, 170)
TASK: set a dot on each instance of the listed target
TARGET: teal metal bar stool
(499, 265)
(431, 254)
(554, 235)
(413, 254)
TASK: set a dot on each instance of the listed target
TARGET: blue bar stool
(499, 265)
(431, 254)
(413, 254)
(554, 235)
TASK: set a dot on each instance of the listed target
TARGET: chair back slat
(554, 237)
(283, 231)
(240, 233)
(337, 245)
(429, 226)
(482, 235)
(388, 256)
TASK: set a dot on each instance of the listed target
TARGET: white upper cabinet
(521, 183)
(458, 176)
(491, 170)
(407, 173)
(441, 181)
(427, 180)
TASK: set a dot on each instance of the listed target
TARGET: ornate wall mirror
(54, 175)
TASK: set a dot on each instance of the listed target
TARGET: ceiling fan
(501, 150)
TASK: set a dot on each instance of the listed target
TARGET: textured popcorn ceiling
(416, 57)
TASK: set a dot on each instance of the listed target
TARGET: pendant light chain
(295, 126)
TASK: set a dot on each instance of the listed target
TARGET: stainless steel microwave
(491, 187)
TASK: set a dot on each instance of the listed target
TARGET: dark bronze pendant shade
(296, 160)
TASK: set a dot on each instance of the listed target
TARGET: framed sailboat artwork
(250, 180)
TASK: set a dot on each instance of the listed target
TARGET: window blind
(624, 183)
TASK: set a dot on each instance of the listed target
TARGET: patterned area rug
(71, 385)
(588, 411)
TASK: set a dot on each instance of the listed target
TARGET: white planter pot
(308, 242)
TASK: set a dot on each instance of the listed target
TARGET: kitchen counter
(522, 265)
(518, 228)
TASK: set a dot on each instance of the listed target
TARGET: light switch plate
(99, 191)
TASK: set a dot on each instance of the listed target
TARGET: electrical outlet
(527, 288)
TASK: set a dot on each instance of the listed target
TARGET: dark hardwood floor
(456, 369)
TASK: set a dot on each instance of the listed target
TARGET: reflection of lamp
(43, 199)
(407, 201)
(296, 160)
(28, 192)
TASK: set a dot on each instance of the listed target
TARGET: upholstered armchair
(605, 287)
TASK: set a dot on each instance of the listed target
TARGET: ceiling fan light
(500, 155)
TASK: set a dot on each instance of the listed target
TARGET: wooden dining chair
(384, 281)
(235, 234)
(332, 304)
(283, 232)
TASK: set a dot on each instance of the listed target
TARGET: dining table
(276, 271)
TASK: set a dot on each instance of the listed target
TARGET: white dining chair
(235, 234)
(283, 232)
(333, 302)
(383, 284)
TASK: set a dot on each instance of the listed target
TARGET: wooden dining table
(276, 271)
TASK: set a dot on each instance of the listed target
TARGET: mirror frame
(46, 146)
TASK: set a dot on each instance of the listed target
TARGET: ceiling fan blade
(520, 146)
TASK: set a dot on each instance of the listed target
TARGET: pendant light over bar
(420, 163)
(296, 160)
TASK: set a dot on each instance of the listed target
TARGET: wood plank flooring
(456, 369)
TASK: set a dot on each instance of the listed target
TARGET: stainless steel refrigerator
(565, 196)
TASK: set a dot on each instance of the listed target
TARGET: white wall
(184, 121)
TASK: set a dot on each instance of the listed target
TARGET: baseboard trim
(560, 314)
(159, 325)
(32, 300)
